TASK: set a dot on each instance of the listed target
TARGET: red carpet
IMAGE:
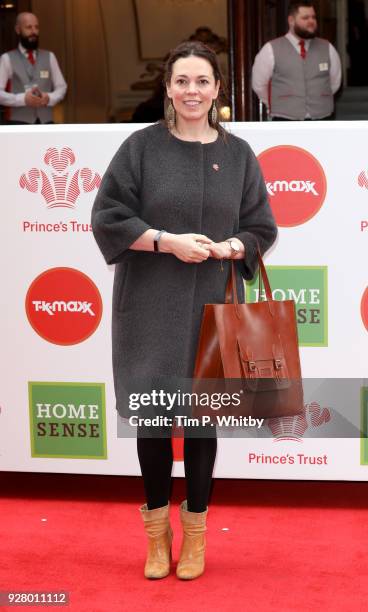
(288, 545)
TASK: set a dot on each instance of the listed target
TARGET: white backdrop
(321, 249)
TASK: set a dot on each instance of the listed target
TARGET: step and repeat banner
(57, 405)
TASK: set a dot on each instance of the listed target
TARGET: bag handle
(231, 294)
(264, 276)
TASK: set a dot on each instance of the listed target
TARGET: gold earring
(170, 116)
(214, 113)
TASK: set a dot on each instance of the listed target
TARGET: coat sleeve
(256, 222)
(116, 221)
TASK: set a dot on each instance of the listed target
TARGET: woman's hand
(220, 250)
(223, 250)
(190, 248)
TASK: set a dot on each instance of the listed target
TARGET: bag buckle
(252, 366)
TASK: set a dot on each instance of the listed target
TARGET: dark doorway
(357, 43)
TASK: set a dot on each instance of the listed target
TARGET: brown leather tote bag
(253, 348)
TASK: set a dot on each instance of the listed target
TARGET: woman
(176, 198)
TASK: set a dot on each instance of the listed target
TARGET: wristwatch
(235, 248)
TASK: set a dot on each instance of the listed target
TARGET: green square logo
(307, 286)
(364, 427)
(67, 420)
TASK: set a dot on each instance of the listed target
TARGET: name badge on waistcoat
(323, 67)
(44, 74)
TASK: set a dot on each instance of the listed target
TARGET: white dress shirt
(6, 72)
(264, 64)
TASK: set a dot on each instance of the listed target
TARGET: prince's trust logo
(60, 187)
(294, 427)
(307, 286)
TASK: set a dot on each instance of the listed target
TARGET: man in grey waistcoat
(31, 82)
(297, 75)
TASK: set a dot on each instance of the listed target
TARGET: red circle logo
(296, 184)
(64, 306)
(364, 308)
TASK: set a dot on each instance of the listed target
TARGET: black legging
(156, 461)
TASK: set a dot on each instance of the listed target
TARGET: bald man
(31, 82)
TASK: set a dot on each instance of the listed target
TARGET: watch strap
(156, 241)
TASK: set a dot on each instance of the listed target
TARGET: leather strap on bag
(231, 293)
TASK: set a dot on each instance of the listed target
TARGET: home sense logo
(67, 420)
(364, 308)
(296, 184)
(60, 188)
(64, 306)
(307, 286)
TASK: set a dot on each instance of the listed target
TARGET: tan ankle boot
(191, 562)
(159, 532)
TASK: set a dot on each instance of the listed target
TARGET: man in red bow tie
(31, 82)
(297, 75)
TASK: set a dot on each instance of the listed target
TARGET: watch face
(234, 246)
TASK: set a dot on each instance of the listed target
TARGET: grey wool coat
(158, 181)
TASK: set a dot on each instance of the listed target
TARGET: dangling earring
(170, 116)
(214, 113)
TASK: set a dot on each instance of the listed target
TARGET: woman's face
(192, 88)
